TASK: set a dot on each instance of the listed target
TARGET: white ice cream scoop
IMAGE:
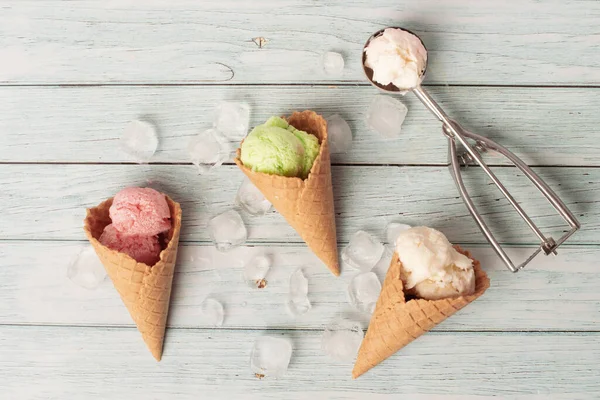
(395, 47)
(395, 59)
(431, 267)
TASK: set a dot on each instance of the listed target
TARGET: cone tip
(356, 372)
(157, 354)
(335, 269)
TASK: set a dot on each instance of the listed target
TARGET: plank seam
(266, 84)
(288, 243)
(437, 331)
(181, 163)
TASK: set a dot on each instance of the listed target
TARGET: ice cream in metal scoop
(395, 61)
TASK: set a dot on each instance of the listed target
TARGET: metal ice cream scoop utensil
(456, 133)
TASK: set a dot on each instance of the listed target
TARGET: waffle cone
(307, 205)
(144, 289)
(396, 322)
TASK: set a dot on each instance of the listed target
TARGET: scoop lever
(454, 132)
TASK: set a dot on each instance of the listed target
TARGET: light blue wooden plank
(548, 126)
(49, 201)
(84, 363)
(529, 42)
(553, 294)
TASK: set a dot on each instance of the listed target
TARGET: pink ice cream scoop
(144, 249)
(140, 211)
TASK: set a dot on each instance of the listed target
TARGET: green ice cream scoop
(278, 148)
(311, 149)
(273, 150)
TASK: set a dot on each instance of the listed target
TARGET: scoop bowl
(369, 72)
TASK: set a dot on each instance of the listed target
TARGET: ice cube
(212, 311)
(363, 251)
(86, 270)
(227, 230)
(298, 305)
(381, 268)
(233, 119)
(363, 292)
(386, 115)
(270, 356)
(339, 134)
(392, 231)
(297, 301)
(341, 339)
(251, 199)
(208, 150)
(139, 140)
(333, 63)
(256, 271)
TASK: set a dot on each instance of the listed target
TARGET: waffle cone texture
(397, 322)
(307, 205)
(145, 290)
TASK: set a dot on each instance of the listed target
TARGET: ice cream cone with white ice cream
(287, 159)
(428, 281)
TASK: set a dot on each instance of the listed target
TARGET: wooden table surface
(73, 74)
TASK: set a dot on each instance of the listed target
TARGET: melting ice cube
(270, 356)
(139, 140)
(393, 229)
(251, 199)
(233, 119)
(333, 63)
(208, 150)
(86, 270)
(363, 292)
(256, 271)
(212, 311)
(341, 339)
(227, 230)
(339, 134)
(363, 251)
(297, 301)
(386, 115)
(381, 268)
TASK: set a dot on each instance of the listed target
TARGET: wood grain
(73, 74)
(80, 124)
(552, 294)
(49, 202)
(107, 363)
(90, 42)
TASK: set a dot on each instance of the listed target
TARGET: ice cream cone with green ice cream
(287, 159)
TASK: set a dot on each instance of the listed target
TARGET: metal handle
(455, 132)
(556, 202)
(550, 195)
(456, 175)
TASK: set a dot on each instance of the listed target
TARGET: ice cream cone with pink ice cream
(136, 236)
